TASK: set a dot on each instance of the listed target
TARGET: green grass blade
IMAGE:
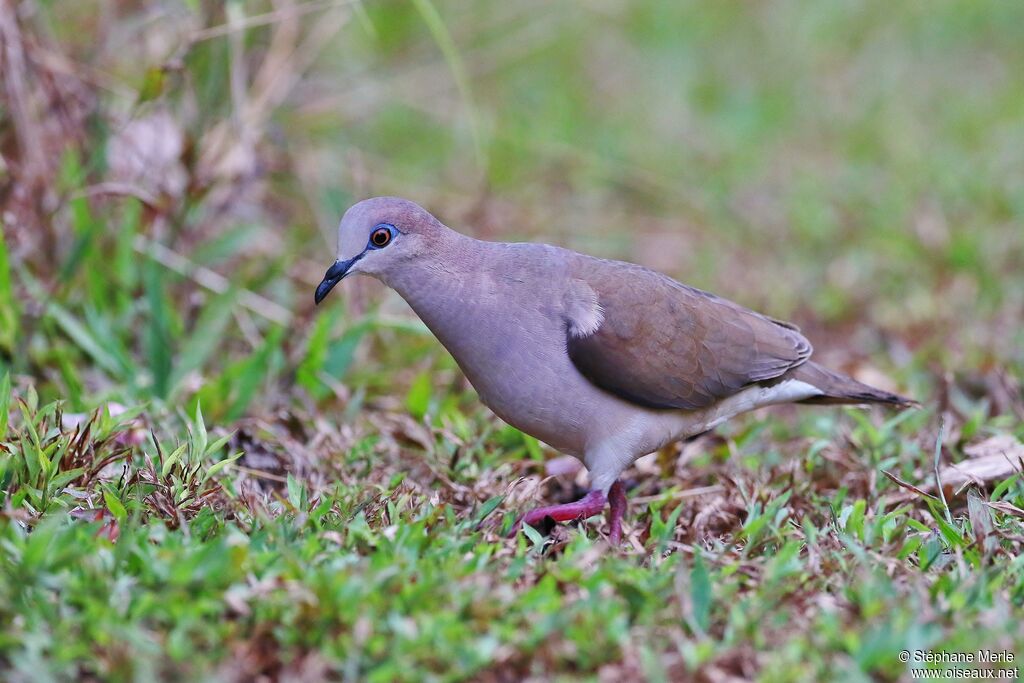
(700, 594)
(158, 332)
(246, 376)
(198, 433)
(5, 403)
(9, 309)
(204, 339)
(220, 465)
(315, 356)
(435, 24)
(417, 401)
(84, 339)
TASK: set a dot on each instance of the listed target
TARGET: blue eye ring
(381, 236)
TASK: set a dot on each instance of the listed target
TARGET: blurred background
(173, 172)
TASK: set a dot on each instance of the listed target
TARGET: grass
(202, 479)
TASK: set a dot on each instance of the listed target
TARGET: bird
(602, 360)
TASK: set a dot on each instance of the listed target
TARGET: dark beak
(333, 276)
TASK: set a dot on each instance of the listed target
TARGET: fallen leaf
(1003, 506)
(993, 459)
(996, 445)
(981, 524)
(903, 484)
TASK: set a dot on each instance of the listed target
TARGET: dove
(602, 360)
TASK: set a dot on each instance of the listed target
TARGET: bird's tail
(840, 389)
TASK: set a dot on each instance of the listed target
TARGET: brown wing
(665, 345)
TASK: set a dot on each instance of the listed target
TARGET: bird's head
(378, 236)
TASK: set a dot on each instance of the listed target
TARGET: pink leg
(616, 509)
(587, 506)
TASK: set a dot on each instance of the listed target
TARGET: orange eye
(380, 237)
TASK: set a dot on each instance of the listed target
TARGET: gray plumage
(603, 360)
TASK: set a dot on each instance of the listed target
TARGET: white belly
(648, 430)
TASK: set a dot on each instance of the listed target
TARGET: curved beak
(333, 276)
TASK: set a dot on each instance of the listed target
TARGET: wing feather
(663, 344)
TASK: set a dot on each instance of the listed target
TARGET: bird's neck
(448, 288)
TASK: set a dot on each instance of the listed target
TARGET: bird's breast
(512, 350)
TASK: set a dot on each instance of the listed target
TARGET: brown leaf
(996, 445)
(902, 484)
(1007, 508)
(993, 459)
(981, 523)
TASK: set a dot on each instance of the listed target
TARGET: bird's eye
(380, 237)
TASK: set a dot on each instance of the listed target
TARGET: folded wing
(663, 344)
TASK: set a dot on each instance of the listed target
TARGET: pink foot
(587, 506)
(616, 509)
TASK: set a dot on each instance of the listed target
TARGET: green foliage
(9, 309)
(418, 399)
(266, 507)
(388, 585)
